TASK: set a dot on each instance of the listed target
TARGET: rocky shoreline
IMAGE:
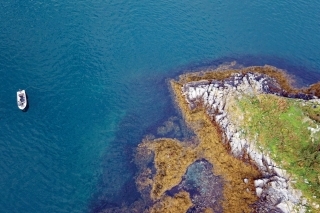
(249, 151)
(274, 188)
(227, 152)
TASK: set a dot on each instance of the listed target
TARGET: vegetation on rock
(286, 129)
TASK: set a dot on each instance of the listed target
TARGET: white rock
(259, 183)
(259, 191)
(284, 207)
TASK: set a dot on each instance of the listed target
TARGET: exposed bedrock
(273, 189)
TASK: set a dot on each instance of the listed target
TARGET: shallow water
(205, 189)
(95, 73)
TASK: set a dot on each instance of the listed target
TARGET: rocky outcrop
(274, 188)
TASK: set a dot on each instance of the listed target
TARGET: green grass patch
(282, 127)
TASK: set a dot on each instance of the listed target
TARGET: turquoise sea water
(95, 73)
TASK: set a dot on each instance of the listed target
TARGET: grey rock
(274, 190)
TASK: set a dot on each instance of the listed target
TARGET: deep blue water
(95, 73)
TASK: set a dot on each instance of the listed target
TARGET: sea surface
(96, 77)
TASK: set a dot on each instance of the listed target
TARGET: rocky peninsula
(255, 146)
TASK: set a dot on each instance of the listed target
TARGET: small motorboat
(22, 99)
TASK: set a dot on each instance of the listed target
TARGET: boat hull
(22, 99)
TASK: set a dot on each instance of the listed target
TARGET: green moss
(312, 109)
(281, 126)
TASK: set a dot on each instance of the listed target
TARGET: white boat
(22, 99)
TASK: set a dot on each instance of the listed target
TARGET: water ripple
(95, 75)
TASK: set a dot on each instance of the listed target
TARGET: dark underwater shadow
(113, 189)
(116, 187)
